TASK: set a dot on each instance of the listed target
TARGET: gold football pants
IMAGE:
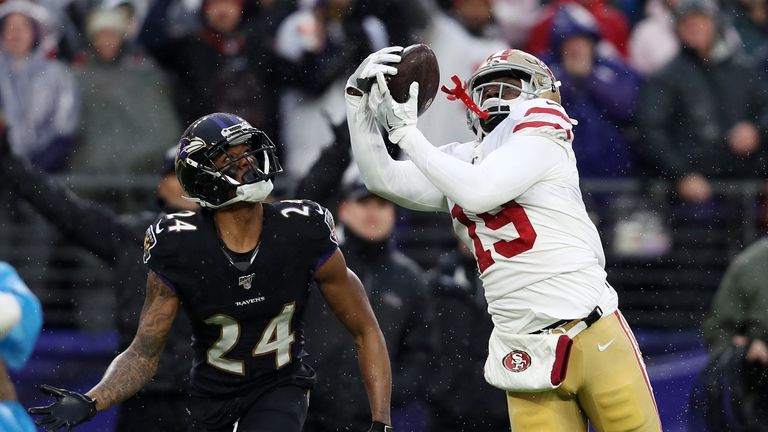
(606, 385)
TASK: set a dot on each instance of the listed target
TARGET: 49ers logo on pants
(516, 361)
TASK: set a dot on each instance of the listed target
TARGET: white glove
(397, 118)
(372, 65)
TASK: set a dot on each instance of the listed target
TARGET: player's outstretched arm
(510, 171)
(128, 372)
(346, 296)
(135, 366)
(398, 181)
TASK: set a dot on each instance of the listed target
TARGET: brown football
(418, 63)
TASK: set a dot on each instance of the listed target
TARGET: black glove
(380, 427)
(69, 410)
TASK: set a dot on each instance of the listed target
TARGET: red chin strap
(460, 92)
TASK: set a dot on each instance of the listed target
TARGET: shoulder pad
(176, 223)
(545, 116)
(318, 218)
(303, 207)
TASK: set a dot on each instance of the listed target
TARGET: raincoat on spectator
(687, 109)
(459, 397)
(604, 102)
(403, 307)
(215, 72)
(38, 97)
(125, 127)
(740, 306)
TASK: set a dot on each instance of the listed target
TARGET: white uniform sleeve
(398, 181)
(503, 176)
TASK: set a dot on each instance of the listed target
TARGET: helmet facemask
(259, 158)
(218, 170)
(498, 98)
(536, 81)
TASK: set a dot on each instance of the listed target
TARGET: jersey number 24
(276, 337)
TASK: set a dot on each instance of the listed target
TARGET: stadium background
(665, 263)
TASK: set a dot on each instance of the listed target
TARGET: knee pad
(619, 409)
(533, 421)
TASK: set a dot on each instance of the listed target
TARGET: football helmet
(536, 81)
(212, 186)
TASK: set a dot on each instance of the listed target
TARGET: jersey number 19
(511, 212)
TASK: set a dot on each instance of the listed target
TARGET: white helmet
(536, 81)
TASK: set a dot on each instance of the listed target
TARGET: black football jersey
(246, 309)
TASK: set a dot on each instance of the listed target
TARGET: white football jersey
(539, 255)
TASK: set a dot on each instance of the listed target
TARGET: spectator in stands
(611, 21)
(458, 53)
(732, 393)
(750, 19)
(695, 124)
(599, 91)
(21, 319)
(323, 180)
(403, 19)
(318, 45)
(464, 326)
(221, 67)
(476, 17)
(400, 299)
(161, 404)
(739, 311)
(121, 124)
(653, 42)
(38, 96)
(515, 18)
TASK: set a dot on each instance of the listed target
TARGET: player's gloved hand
(361, 120)
(380, 427)
(396, 118)
(69, 410)
(373, 64)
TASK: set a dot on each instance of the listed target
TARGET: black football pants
(282, 409)
(153, 412)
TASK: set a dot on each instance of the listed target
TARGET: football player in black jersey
(243, 270)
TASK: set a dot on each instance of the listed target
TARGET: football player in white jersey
(515, 200)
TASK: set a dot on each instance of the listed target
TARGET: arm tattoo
(135, 366)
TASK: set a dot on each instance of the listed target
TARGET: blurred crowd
(670, 89)
(667, 91)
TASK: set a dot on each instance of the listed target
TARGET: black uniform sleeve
(159, 247)
(324, 241)
(313, 226)
(95, 228)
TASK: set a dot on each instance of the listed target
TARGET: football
(418, 63)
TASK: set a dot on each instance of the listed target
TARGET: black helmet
(209, 137)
